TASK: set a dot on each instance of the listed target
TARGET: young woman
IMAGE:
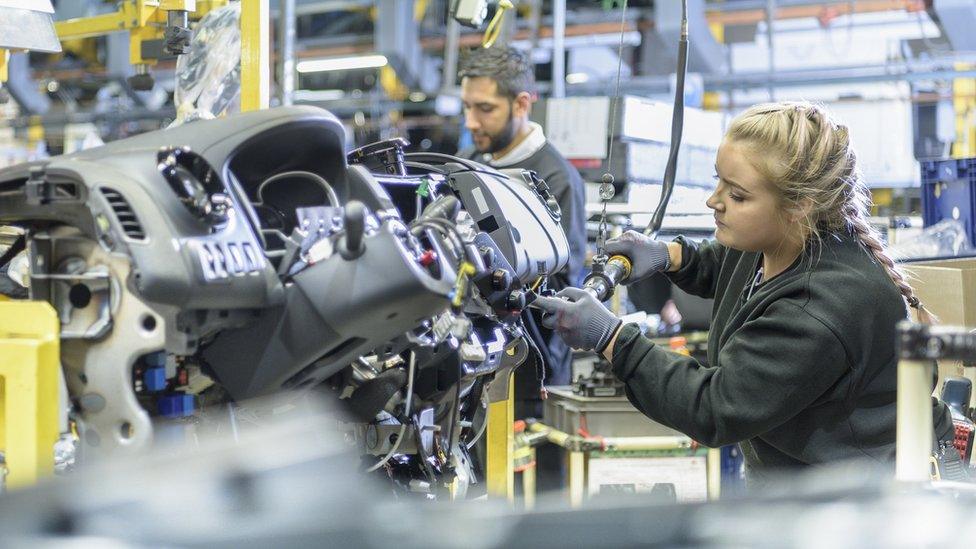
(801, 350)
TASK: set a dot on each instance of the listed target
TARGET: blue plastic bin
(949, 192)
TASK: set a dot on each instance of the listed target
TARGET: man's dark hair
(510, 68)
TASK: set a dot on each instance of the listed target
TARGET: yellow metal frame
(578, 450)
(35, 132)
(712, 100)
(395, 89)
(206, 6)
(576, 478)
(713, 462)
(144, 19)
(964, 105)
(132, 14)
(255, 55)
(4, 57)
(29, 375)
(529, 481)
(499, 471)
(578, 463)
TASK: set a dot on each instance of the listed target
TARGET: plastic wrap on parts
(208, 77)
(946, 238)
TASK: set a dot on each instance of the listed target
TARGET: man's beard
(501, 140)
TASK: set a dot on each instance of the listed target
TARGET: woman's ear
(798, 217)
(801, 210)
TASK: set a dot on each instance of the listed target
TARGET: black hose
(677, 124)
(322, 182)
(440, 158)
(472, 402)
(535, 341)
(18, 246)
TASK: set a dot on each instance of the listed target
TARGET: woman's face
(749, 215)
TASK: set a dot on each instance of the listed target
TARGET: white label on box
(649, 120)
(639, 475)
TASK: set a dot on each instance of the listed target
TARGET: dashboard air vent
(123, 212)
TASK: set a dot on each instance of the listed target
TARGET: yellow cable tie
(536, 284)
(461, 284)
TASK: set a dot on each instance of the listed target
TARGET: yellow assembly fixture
(147, 21)
(35, 132)
(499, 471)
(255, 55)
(964, 105)
(29, 375)
(579, 448)
(4, 58)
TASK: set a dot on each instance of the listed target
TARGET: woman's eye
(736, 197)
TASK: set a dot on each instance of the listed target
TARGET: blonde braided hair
(816, 167)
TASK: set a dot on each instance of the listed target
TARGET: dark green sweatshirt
(803, 372)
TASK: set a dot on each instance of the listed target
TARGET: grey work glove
(581, 320)
(647, 256)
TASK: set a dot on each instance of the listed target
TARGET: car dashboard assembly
(202, 266)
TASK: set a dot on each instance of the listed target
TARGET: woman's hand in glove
(647, 256)
(581, 320)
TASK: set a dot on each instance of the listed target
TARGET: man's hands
(647, 256)
(581, 320)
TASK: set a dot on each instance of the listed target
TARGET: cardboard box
(947, 287)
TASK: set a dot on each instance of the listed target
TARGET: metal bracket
(82, 296)
(924, 342)
(514, 356)
(38, 190)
